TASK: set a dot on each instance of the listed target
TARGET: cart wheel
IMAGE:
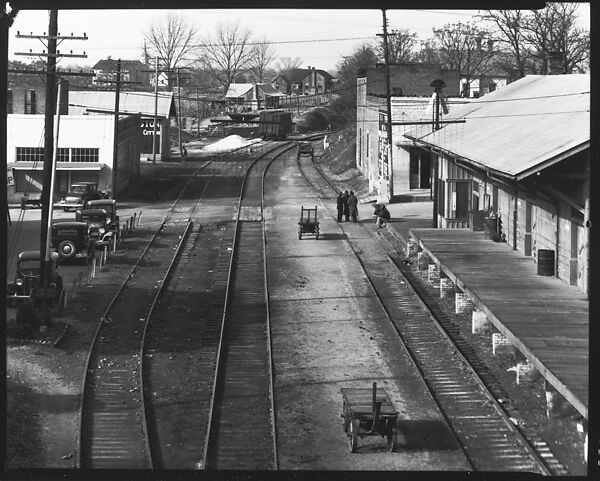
(353, 435)
(392, 434)
(346, 417)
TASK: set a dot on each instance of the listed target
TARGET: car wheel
(67, 249)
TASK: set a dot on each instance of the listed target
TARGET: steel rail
(483, 387)
(219, 365)
(79, 423)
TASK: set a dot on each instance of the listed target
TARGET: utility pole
(437, 85)
(118, 83)
(52, 103)
(388, 98)
(197, 111)
(6, 21)
(116, 133)
(179, 116)
(155, 111)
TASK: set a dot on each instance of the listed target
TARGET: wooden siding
(570, 265)
(545, 319)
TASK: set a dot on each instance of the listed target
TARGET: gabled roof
(519, 129)
(111, 64)
(297, 75)
(238, 90)
(129, 103)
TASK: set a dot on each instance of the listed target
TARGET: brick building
(408, 175)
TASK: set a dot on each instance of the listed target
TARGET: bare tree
(553, 29)
(227, 53)
(508, 33)
(263, 56)
(460, 46)
(173, 42)
(400, 46)
(286, 64)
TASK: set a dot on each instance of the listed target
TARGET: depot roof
(519, 129)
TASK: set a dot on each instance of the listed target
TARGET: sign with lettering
(10, 176)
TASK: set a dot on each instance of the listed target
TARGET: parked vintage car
(80, 193)
(71, 240)
(96, 219)
(26, 286)
(110, 206)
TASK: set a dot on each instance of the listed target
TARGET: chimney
(554, 63)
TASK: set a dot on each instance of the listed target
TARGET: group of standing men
(347, 205)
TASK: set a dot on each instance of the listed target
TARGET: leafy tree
(400, 46)
(227, 53)
(173, 42)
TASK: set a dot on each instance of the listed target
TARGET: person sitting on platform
(382, 215)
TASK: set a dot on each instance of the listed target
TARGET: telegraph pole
(155, 111)
(179, 116)
(118, 82)
(388, 98)
(116, 133)
(52, 102)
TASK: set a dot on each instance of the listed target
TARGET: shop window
(84, 155)
(30, 102)
(62, 155)
(30, 154)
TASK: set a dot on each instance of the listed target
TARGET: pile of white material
(230, 143)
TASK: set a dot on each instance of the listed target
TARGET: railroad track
(117, 422)
(488, 438)
(241, 432)
(112, 422)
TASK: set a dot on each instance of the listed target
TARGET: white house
(85, 152)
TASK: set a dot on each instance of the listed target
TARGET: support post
(116, 132)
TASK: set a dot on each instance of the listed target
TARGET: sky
(319, 37)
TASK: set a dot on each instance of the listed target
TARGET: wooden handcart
(369, 412)
(308, 224)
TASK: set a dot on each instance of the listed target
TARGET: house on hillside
(131, 71)
(522, 157)
(304, 81)
(245, 97)
(408, 174)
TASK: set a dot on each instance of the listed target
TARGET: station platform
(544, 318)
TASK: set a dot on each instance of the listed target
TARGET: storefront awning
(59, 166)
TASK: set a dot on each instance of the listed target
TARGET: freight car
(274, 124)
